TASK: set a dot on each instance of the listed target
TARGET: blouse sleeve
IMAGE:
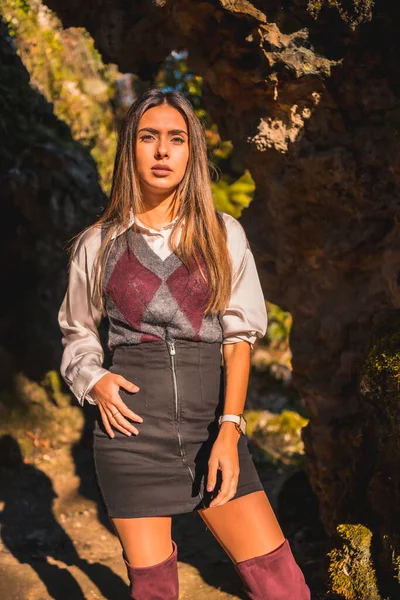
(245, 317)
(83, 355)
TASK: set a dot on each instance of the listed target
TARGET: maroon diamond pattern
(191, 293)
(147, 294)
(132, 286)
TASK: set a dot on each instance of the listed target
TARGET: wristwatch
(239, 420)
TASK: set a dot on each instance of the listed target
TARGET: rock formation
(49, 191)
(312, 107)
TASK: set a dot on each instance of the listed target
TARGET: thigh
(245, 527)
(146, 541)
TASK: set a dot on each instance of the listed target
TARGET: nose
(161, 149)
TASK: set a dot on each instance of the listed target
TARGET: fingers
(126, 412)
(129, 386)
(121, 412)
(230, 477)
(212, 474)
(114, 412)
(118, 421)
(105, 420)
(113, 415)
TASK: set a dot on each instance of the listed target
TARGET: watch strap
(239, 420)
(227, 417)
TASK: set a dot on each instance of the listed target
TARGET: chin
(164, 186)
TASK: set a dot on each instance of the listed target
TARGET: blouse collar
(150, 229)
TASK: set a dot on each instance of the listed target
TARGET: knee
(157, 582)
(275, 576)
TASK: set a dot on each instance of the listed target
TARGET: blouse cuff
(246, 336)
(84, 381)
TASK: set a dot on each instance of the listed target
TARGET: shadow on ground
(33, 532)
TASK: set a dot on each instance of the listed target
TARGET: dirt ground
(56, 541)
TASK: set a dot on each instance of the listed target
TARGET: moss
(396, 567)
(66, 68)
(353, 12)
(39, 416)
(351, 572)
(252, 418)
(52, 383)
(278, 435)
(383, 363)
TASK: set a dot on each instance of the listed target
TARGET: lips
(161, 169)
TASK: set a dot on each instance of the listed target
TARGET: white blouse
(245, 317)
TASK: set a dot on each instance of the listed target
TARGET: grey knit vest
(149, 299)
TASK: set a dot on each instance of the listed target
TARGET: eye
(147, 136)
(179, 140)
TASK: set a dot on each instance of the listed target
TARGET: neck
(158, 214)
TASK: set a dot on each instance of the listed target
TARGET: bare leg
(250, 534)
(150, 557)
(146, 541)
(245, 527)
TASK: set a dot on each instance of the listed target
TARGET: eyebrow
(172, 131)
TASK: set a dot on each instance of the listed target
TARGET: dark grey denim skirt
(163, 469)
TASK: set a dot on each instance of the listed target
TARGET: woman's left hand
(224, 456)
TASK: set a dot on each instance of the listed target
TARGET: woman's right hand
(113, 409)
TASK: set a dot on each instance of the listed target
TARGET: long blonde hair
(203, 229)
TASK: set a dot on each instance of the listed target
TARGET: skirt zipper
(172, 353)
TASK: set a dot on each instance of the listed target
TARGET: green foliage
(175, 74)
(233, 198)
(351, 571)
(277, 436)
(67, 70)
(353, 12)
(279, 324)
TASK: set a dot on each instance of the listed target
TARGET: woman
(179, 286)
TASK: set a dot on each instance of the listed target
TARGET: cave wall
(49, 190)
(312, 107)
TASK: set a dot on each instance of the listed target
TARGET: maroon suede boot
(273, 576)
(157, 582)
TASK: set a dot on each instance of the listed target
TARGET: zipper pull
(171, 347)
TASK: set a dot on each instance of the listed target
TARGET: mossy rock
(278, 436)
(39, 417)
(382, 366)
(66, 68)
(353, 12)
(351, 571)
(396, 567)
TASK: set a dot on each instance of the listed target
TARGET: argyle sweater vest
(148, 299)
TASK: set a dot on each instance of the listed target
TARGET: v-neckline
(164, 261)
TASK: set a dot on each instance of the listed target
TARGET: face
(162, 149)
